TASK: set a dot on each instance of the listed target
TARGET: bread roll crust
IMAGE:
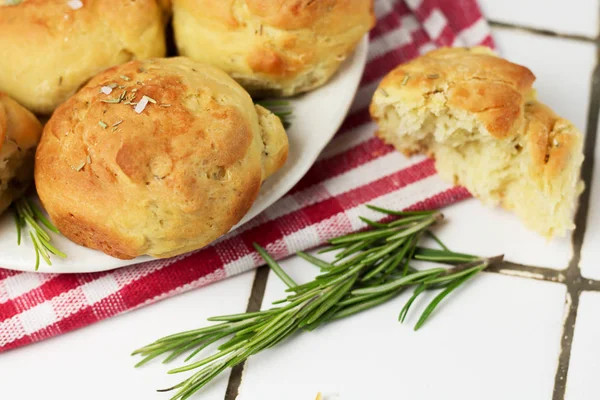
(272, 47)
(163, 182)
(20, 133)
(48, 50)
(473, 80)
(478, 116)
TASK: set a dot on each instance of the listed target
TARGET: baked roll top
(156, 157)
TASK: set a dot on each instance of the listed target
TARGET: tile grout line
(575, 282)
(255, 299)
(543, 32)
(532, 272)
(590, 285)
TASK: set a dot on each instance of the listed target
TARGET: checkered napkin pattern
(355, 169)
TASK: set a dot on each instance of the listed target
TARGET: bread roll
(48, 49)
(20, 133)
(162, 166)
(477, 115)
(272, 47)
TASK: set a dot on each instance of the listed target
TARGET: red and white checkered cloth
(355, 169)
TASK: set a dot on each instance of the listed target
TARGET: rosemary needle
(437, 240)
(434, 255)
(417, 292)
(274, 266)
(27, 214)
(370, 268)
(324, 265)
(399, 213)
(441, 296)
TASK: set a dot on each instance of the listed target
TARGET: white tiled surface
(94, 363)
(590, 253)
(578, 17)
(584, 369)
(496, 339)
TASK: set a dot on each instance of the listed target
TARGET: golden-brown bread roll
(477, 115)
(156, 157)
(272, 47)
(49, 48)
(20, 133)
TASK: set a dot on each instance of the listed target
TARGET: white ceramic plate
(316, 118)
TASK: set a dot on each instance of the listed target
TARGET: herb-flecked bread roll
(272, 47)
(20, 133)
(156, 157)
(478, 116)
(50, 48)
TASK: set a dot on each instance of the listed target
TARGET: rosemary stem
(370, 268)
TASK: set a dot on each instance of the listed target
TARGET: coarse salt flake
(106, 89)
(141, 105)
(75, 4)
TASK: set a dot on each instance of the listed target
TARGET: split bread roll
(477, 115)
(272, 47)
(163, 166)
(20, 133)
(50, 48)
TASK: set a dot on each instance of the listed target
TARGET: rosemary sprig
(370, 268)
(281, 108)
(28, 215)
